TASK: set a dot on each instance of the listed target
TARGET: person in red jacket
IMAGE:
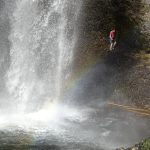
(112, 37)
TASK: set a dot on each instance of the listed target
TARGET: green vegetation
(146, 145)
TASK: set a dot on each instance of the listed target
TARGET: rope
(139, 111)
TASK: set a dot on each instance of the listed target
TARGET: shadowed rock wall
(131, 19)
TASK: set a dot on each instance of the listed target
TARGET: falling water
(43, 37)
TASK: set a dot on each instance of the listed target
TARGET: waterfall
(43, 37)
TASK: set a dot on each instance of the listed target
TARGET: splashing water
(43, 36)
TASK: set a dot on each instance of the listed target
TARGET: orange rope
(143, 112)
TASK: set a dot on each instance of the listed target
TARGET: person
(112, 37)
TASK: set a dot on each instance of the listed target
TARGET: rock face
(127, 16)
(133, 83)
(98, 17)
(131, 19)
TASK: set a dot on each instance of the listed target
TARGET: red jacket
(112, 34)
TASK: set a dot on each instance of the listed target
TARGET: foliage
(145, 145)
